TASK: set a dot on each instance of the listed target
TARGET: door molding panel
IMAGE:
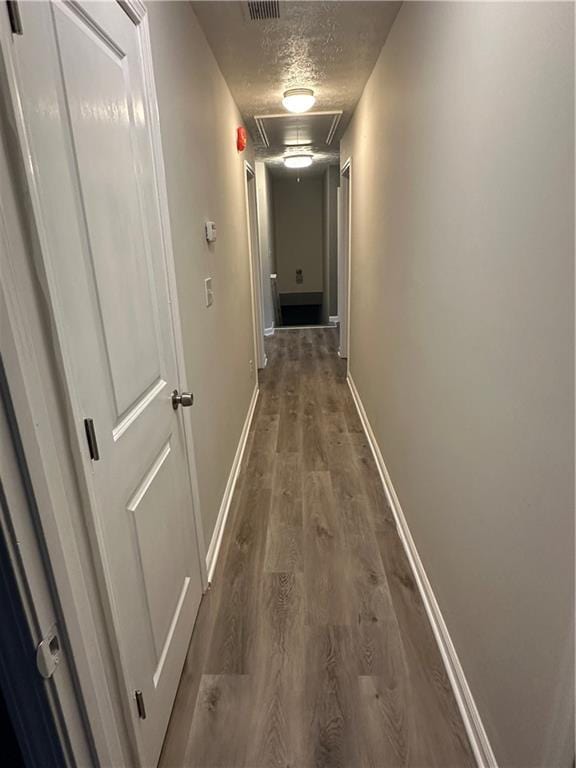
(135, 9)
(73, 572)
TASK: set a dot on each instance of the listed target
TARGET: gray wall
(266, 239)
(298, 231)
(205, 177)
(462, 346)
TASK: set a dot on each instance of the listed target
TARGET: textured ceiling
(330, 47)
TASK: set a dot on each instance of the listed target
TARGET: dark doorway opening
(301, 308)
(304, 314)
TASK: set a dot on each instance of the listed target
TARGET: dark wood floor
(312, 647)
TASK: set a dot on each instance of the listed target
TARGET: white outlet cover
(208, 292)
(210, 229)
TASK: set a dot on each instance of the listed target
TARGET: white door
(344, 260)
(255, 269)
(81, 75)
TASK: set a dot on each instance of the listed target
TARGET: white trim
(334, 319)
(135, 9)
(269, 331)
(262, 130)
(301, 327)
(214, 548)
(171, 630)
(333, 127)
(466, 704)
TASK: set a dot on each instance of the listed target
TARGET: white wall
(205, 177)
(298, 232)
(462, 344)
(265, 231)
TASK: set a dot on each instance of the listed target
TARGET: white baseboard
(214, 548)
(334, 319)
(300, 327)
(466, 704)
(269, 331)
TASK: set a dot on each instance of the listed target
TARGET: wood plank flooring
(312, 649)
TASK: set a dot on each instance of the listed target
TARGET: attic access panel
(312, 129)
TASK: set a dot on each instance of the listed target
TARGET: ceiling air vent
(260, 10)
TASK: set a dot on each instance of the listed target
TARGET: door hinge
(15, 18)
(48, 653)
(140, 705)
(91, 438)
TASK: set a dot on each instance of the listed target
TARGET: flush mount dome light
(298, 99)
(298, 161)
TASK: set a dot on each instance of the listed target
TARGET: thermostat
(210, 231)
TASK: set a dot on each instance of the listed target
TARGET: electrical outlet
(251, 364)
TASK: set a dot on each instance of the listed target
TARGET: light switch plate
(210, 230)
(208, 292)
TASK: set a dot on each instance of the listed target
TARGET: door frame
(345, 261)
(255, 271)
(32, 703)
(26, 368)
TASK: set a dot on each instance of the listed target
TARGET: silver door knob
(186, 399)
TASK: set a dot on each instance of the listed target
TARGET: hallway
(312, 647)
(235, 538)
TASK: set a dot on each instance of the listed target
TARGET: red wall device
(241, 138)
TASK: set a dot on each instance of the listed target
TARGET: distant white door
(81, 71)
(255, 268)
(344, 261)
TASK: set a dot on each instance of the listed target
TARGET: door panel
(81, 80)
(102, 121)
(154, 530)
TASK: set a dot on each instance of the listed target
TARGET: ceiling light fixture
(298, 161)
(298, 99)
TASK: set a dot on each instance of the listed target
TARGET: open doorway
(298, 237)
(344, 201)
(299, 241)
(255, 266)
